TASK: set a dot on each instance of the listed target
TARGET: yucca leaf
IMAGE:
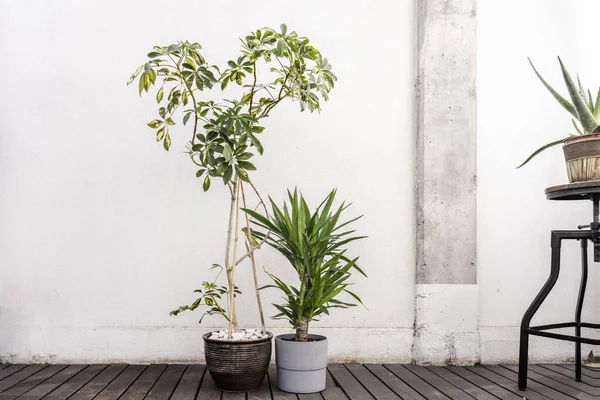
(355, 296)
(587, 120)
(538, 151)
(257, 216)
(315, 249)
(341, 303)
(347, 222)
(562, 101)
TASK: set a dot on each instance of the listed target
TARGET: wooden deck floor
(345, 381)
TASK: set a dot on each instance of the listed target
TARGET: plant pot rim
(285, 338)
(224, 342)
(587, 136)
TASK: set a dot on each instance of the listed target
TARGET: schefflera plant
(582, 107)
(225, 134)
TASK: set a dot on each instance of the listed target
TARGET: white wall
(516, 116)
(102, 232)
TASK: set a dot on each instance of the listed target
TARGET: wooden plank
(549, 382)
(373, 385)
(369, 381)
(333, 393)
(394, 383)
(49, 385)
(31, 382)
(121, 383)
(11, 369)
(584, 371)
(508, 380)
(348, 383)
(144, 383)
(276, 392)
(329, 382)
(332, 390)
(487, 385)
(571, 375)
(418, 384)
(233, 396)
(187, 389)
(263, 393)
(99, 382)
(584, 387)
(440, 384)
(164, 387)
(310, 396)
(208, 389)
(19, 376)
(462, 384)
(72, 385)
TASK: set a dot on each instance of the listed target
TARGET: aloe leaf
(597, 106)
(563, 102)
(581, 91)
(587, 120)
(576, 127)
(590, 102)
(538, 151)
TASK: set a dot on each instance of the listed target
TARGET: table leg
(556, 238)
(582, 286)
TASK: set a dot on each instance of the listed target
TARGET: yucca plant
(314, 244)
(582, 107)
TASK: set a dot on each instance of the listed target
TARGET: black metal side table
(591, 232)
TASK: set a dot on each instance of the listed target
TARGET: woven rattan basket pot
(238, 366)
(582, 154)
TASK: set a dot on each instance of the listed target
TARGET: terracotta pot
(582, 155)
(238, 366)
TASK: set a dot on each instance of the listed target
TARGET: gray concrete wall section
(446, 141)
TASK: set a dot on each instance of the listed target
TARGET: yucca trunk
(302, 330)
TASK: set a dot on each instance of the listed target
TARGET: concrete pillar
(446, 294)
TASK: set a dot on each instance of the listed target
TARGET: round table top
(573, 191)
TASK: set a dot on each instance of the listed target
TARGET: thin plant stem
(228, 268)
(251, 247)
(232, 278)
(249, 253)
(260, 199)
(252, 90)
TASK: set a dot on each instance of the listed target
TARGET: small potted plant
(581, 150)
(314, 244)
(223, 140)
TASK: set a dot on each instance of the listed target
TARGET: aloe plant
(314, 244)
(582, 107)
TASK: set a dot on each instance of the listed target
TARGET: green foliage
(582, 107)
(226, 134)
(210, 297)
(314, 244)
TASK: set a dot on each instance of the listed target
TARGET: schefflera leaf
(587, 120)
